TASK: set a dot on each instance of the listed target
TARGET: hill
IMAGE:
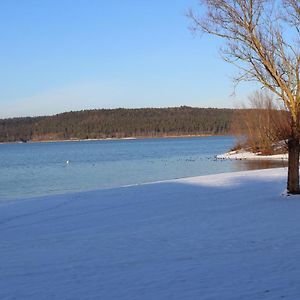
(118, 123)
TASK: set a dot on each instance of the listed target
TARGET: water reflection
(244, 165)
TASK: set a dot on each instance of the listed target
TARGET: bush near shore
(263, 127)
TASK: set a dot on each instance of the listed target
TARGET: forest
(118, 123)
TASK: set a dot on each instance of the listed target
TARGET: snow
(251, 156)
(226, 236)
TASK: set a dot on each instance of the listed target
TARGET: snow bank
(227, 236)
(251, 155)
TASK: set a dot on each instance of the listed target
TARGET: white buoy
(67, 162)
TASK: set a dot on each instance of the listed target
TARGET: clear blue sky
(62, 55)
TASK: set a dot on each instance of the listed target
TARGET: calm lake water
(35, 169)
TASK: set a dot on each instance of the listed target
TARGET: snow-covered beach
(246, 155)
(226, 236)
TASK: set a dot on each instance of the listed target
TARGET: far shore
(112, 139)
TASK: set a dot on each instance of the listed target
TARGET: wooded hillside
(118, 123)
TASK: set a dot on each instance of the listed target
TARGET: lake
(34, 169)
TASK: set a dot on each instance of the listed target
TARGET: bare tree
(262, 38)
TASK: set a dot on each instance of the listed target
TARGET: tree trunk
(293, 166)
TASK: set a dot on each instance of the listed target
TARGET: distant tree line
(118, 123)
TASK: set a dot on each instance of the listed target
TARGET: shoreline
(246, 155)
(117, 139)
(193, 179)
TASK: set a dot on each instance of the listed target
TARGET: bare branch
(255, 42)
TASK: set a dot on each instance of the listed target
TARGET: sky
(63, 55)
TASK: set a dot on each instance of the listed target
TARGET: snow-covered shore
(227, 236)
(251, 156)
